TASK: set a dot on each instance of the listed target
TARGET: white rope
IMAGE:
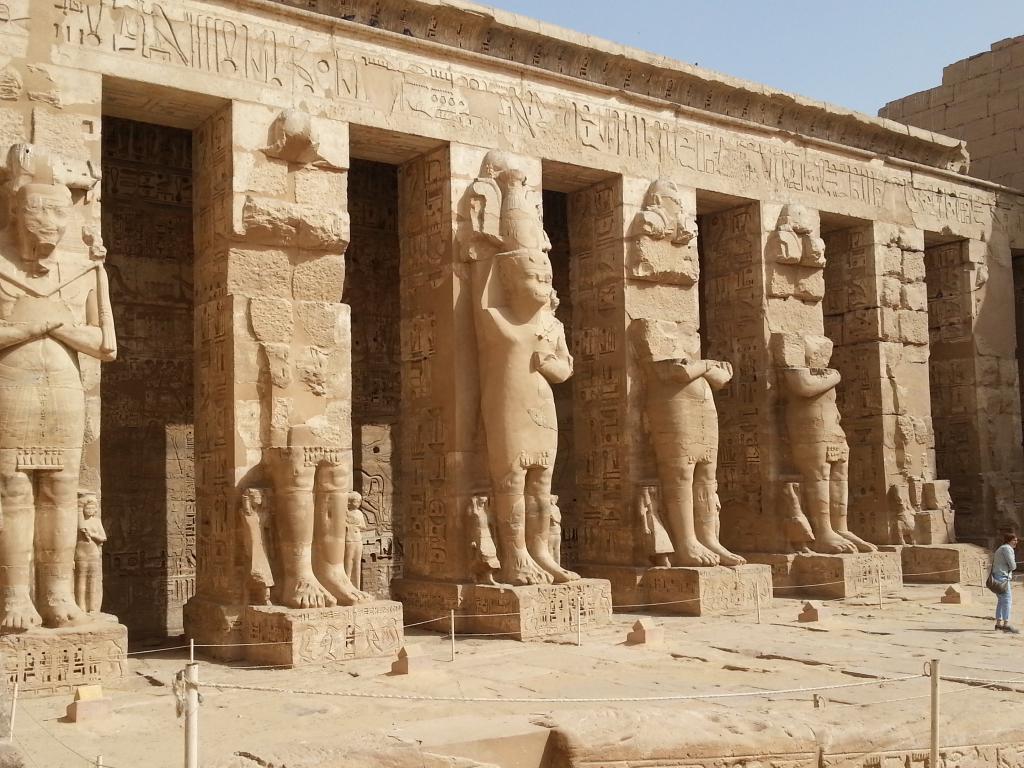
(565, 700)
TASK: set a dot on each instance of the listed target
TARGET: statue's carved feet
(19, 614)
(725, 557)
(831, 543)
(858, 542)
(694, 554)
(306, 592)
(559, 575)
(522, 570)
(336, 581)
(63, 611)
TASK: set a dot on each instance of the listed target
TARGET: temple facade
(326, 316)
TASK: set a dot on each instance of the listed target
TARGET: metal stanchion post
(192, 715)
(757, 603)
(99, 761)
(579, 623)
(14, 709)
(451, 618)
(932, 668)
(191, 651)
(878, 576)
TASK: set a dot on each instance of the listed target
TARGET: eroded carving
(796, 256)
(683, 423)
(664, 234)
(817, 441)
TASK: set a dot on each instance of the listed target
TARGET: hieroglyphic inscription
(149, 482)
(428, 404)
(372, 290)
(601, 517)
(733, 295)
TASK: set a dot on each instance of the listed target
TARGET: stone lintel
(291, 637)
(45, 662)
(944, 563)
(523, 613)
(686, 591)
(833, 576)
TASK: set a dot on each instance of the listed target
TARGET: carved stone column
(876, 310)
(975, 383)
(643, 487)
(782, 502)
(463, 210)
(273, 404)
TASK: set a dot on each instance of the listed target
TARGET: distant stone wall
(981, 100)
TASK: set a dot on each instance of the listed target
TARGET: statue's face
(255, 497)
(528, 280)
(42, 211)
(90, 508)
(819, 351)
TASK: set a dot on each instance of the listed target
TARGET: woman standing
(1003, 565)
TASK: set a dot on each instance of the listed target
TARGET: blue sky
(856, 54)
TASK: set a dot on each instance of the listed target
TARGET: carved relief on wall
(54, 306)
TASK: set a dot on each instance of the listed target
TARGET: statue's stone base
(522, 613)
(290, 637)
(943, 563)
(54, 661)
(686, 591)
(833, 576)
(215, 626)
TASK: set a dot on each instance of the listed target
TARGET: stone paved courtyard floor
(858, 642)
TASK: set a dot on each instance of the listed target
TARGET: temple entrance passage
(148, 501)
(372, 290)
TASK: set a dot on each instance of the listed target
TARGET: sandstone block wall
(981, 100)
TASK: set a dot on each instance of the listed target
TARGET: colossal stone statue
(51, 311)
(89, 554)
(522, 351)
(683, 423)
(816, 439)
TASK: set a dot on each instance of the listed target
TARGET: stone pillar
(609, 436)
(876, 313)
(273, 404)
(975, 399)
(876, 310)
(450, 555)
(765, 265)
(441, 442)
(636, 267)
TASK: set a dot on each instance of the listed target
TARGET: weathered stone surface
(294, 638)
(49, 661)
(687, 591)
(834, 576)
(524, 613)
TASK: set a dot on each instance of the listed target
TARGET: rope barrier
(558, 700)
